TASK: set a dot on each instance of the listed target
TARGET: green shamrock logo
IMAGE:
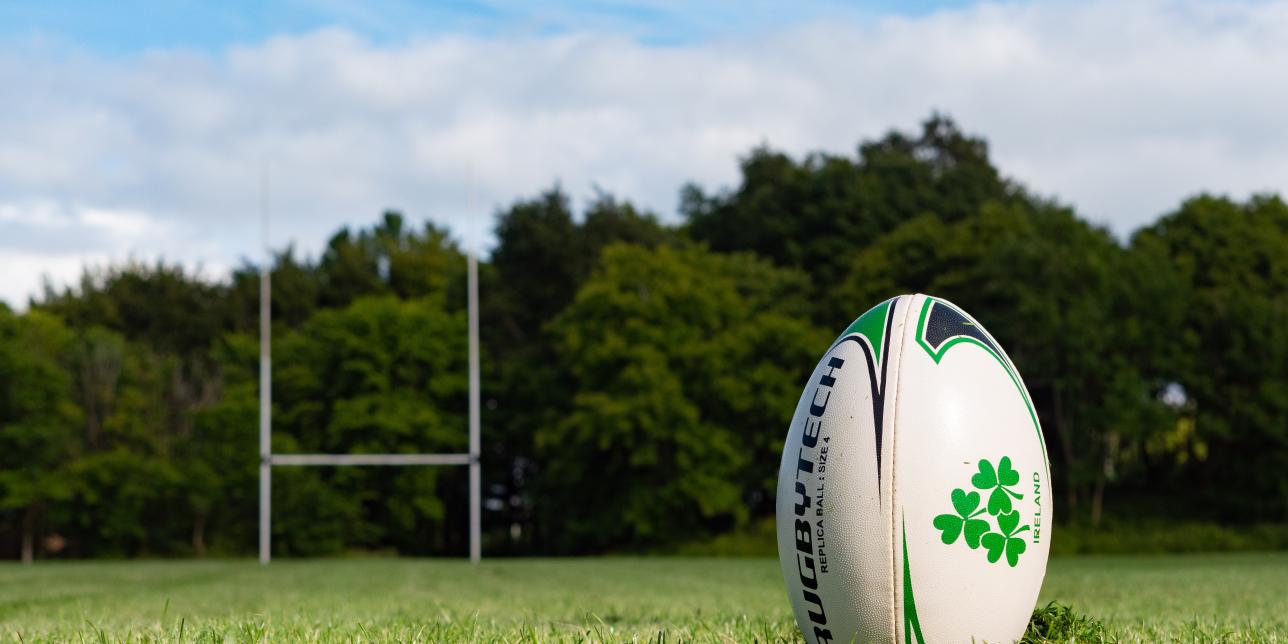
(977, 531)
(954, 525)
(999, 481)
(995, 543)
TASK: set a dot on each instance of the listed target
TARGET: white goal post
(267, 459)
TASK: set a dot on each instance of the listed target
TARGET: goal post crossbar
(370, 459)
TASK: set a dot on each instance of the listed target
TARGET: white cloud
(122, 224)
(1121, 109)
(24, 272)
(42, 240)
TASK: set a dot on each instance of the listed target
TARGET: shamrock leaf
(986, 478)
(1006, 475)
(1014, 548)
(951, 525)
(994, 543)
(966, 505)
(974, 529)
(1007, 522)
(1006, 541)
(998, 502)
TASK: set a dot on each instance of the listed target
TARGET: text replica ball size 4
(914, 499)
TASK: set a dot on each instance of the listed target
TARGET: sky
(143, 130)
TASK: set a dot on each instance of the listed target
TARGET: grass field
(1232, 597)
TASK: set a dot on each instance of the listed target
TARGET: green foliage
(543, 256)
(638, 376)
(37, 421)
(388, 259)
(817, 214)
(759, 538)
(682, 363)
(115, 495)
(382, 375)
(164, 306)
(1232, 260)
(1157, 536)
(296, 286)
(155, 446)
(221, 473)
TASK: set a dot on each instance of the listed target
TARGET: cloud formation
(1121, 109)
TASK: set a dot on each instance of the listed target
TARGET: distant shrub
(1160, 537)
(755, 540)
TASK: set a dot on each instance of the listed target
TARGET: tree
(381, 375)
(1233, 259)
(117, 501)
(817, 214)
(543, 256)
(684, 366)
(219, 460)
(637, 382)
(38, 420)
(97, 357)
(164, 306)
(296, 292)
(389, 259)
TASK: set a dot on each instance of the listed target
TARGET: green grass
(1230, 597)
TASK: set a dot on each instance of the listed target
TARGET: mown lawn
(1231, 597)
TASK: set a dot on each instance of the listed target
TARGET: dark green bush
(1159, 537)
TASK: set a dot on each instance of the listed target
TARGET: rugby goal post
(267, 459)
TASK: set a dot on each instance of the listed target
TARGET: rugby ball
(914, 499)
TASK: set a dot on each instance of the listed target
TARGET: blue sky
(139, 130)
(133, 25)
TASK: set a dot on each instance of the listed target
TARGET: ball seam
(894, 467)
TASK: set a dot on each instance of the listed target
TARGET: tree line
(638, 375)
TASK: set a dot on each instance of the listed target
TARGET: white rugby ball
(914, 498)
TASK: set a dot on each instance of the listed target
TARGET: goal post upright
(265, 380)
(476, 484)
